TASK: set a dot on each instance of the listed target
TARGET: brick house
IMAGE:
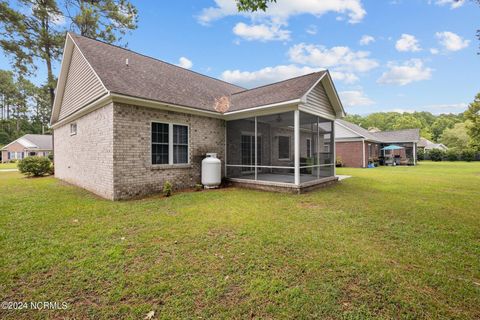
(357, 147)
(125, 123)
(26, 146)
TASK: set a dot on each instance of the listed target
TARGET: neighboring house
(357, 147)
(427, 145)
(125, 123)
(28, 145)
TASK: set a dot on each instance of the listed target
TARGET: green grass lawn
(8, 166)
(389, 243)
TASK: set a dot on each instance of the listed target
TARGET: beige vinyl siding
(343, 133)
(82, 86)
(317, 101)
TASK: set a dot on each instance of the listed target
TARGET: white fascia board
(349, 139)
(333, 95)
(62, 78)
(263, 110)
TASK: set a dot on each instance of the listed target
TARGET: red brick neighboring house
(357, 147)
(28, 145)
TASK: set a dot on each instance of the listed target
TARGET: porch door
(248, 152)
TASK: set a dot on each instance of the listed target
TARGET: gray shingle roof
(363, 132)
(286, 90)
(152, 79)
(42, 141)
(149, 78)
(406, 135)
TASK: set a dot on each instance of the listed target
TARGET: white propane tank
(211, 171)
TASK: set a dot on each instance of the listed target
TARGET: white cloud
(366, 40)
(406, 43)
(346, 77)
(184, 63)
(355, 98)
(312, 29)
(454, 4)
(434, 51)
(410, 71)
(283, 10)
(451, 41)
(265, 75)
(261, 32)
(339, 58)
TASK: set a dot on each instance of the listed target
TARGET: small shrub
(420, 154)
(51, 170)
(468, 155)
(34, 166)
(13, 161)
(50, 157)
(339, 162)
(167, 189)
(198, 187)
(436, 154)
(452, 155)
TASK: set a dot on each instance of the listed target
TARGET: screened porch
(294, 148)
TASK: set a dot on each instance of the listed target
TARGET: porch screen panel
(308, 147)
(241, 148)
(326, 141)
(276, 133)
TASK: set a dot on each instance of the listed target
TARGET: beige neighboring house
(427, 145)
(26, 146)
(124, 123)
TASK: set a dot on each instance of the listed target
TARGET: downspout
(363, 153)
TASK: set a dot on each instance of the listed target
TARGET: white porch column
(334, 146)
(363, 153)
(414, 154)
(255, 151)
(296, 154)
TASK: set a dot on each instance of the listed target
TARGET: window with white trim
(73, 128)
(169, 143)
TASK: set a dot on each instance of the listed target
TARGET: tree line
(32, 33)
(460, 131)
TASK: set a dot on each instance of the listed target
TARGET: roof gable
(94, 71)
(152, 79)
(286, 90)
(406, 135)
(33, 141)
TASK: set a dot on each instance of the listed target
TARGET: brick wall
(350, 153)
(14, 147)
(86, 159)
(134, 174)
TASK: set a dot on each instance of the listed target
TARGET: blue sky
(384, 55)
